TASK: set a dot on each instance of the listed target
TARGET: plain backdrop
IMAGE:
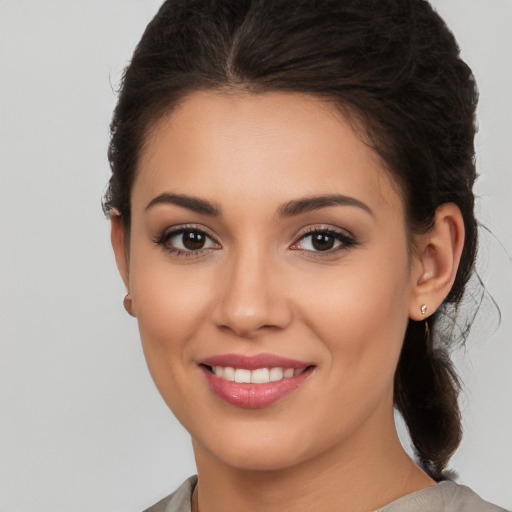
(82, 427)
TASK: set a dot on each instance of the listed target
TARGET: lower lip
(254, 396)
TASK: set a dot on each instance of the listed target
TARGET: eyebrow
(289, 209)
(191, 203)
(308, 204)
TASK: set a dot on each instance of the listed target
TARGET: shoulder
(461, 498)
(447, 496)
(179, 500)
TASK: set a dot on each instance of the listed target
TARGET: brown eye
(322, 241)
(186, 241)
(193, 240)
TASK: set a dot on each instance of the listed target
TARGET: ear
(118, 239)
(437, 256)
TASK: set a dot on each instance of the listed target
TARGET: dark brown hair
(394, 66)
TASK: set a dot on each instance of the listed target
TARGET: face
(268, 244)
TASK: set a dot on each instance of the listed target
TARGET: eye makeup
(186, 240)
(192, 240)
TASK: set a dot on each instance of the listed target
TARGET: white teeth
(258, 376)
(242, 375)
(228, 373)
(275, 374)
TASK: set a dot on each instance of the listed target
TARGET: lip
(250, 395)
(254, 362)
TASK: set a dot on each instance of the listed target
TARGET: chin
(256, 457)
(258, 447)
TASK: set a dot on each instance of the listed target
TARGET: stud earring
(423, 310)
(127, 303)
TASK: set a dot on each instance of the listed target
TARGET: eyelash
(164, 238)
(347, 241)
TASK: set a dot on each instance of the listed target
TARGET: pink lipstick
(254, 381)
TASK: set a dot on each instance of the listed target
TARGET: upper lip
(253, 362)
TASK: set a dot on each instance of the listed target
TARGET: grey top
(446, 496)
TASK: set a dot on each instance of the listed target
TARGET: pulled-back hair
(390, 66)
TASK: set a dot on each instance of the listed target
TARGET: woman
(292, 215)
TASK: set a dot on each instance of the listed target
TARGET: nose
(251, 296)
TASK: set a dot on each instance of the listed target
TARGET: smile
(258, 376)
(253, 382)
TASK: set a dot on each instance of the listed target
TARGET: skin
(259, 286)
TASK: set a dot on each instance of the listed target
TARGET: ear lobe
(117, 237)
(438, 256)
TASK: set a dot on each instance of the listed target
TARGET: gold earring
(127, 303)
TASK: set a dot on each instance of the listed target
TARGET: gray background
(82, 427)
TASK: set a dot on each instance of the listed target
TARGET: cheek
(170, 302)
(362, 317)
(170, 308)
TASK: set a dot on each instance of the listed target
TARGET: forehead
(267, 145)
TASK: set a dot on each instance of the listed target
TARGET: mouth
(253, 382)
(257, 376)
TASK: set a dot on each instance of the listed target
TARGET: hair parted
(391, 65)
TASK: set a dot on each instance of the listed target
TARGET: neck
(365, 472)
